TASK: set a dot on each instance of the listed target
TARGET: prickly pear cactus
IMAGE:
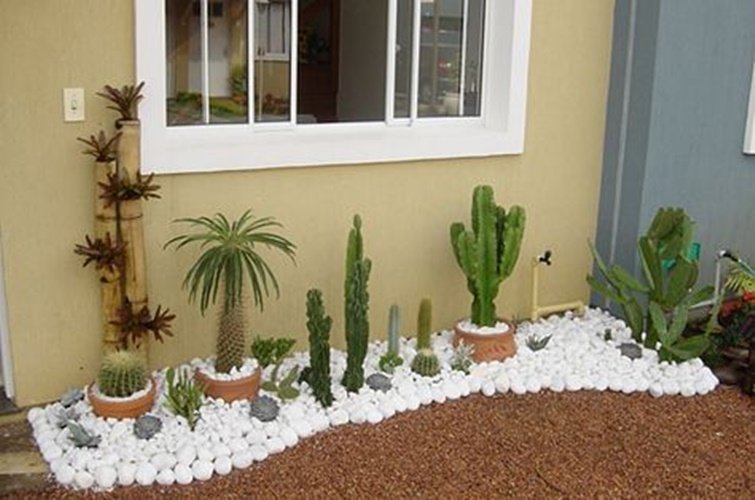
(487, 254)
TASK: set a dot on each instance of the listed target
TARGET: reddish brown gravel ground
(547, 445)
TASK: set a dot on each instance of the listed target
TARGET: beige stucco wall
(46, 195)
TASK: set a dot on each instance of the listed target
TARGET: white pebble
(183, 474)
(438, 395)
(243, 459)
(302, 428)
(671, 387)
(238, 444)
(83, 480)
(202, 470)
(65, 474)
(146, 474)
(387, 408)
(256, 436)
(221, 450)
(223, 465)
(451, 391)
(258, 453)
(166, 477)
(412, 403)
(656, 390)
(687, 389)
(374, 416)
(557, 384)
(186, 455)
(275, 445)
(339, 417)
(502, 383)
(518, 387)
(289, 436)
(126, 474)
(475, 384)
(105, 477)
(272, 429)
(532, 384)
(163, 461)
(488, 388)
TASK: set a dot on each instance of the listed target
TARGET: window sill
(224, 148)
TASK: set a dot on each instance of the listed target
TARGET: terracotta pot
(231, 390)
(490, 347)
(126, 408)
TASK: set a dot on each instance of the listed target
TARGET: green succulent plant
(272, 352)
(229, 260)
(184, 395)
(122, 373)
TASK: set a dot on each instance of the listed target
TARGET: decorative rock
(237, 445)
(289, 436)
(163, 461)
(302, 428)
(687, 389)
(258, 453)
(320, 422)
(105, 477)
(264, 409)
(488, 388)
(339, 417)
(83, 479)
(573, 383)
(242, 460)
(65, 474)
(450, 390)
(202, 470)
(656, 390)
(475, 384)
(221, 450)
(146, 474)
(256, 436)
(126, 474)
(374, 416)
(272, 429)
(275, 445)
(379, 382)
(205, 455)
(183, 474)
(532, 384)
(631, 351)
(412, 403)
(166, 477)
(71, 397)
(146, 426)
(223, 465)
(186, 455)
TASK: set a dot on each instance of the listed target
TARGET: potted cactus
(487, 255)
(123, 388)
(229, 260)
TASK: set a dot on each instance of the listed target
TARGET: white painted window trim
(220, 147)
(5, 348)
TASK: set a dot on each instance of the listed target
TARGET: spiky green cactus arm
(511, 240)
(231, 337)
(424, 324)
(319, 326)
(357, 338)
(393, 330)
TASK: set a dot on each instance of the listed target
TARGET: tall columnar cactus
(393, 330)
(391, 359)
(319, 326)
(424, 324)
(487, 254)
(356, 308)
(122, 373)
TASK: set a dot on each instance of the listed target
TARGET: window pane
(272, 66)
(227, 46)
(184, 63)
(342, 60)
(473, 63)
(404, 32)
(440, 57)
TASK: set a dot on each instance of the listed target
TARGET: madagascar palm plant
(229, 259)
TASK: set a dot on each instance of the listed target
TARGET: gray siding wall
(680, 86)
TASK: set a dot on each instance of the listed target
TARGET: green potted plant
(229, 260)
(487, 255)
(123, 388)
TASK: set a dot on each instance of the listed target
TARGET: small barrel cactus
(426, 363)
(122, 374)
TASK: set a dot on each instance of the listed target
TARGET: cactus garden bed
(579, 356)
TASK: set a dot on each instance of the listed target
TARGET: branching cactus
(487, 254)
(319, 326)
(122, 374)
(424, 324)
(356, 308)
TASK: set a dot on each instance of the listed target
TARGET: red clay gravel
(583, 444)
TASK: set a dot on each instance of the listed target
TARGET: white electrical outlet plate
(73, 105)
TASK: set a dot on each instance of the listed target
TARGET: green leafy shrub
(184, 395)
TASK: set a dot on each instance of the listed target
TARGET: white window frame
(275, 56)
(219, 147)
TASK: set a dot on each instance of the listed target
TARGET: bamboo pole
(134, 279)
(105, 225)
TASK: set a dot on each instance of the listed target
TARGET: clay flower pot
(490, 346)
(230, 390)
(122, 408)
